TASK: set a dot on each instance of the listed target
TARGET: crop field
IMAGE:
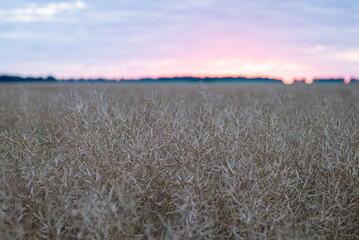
(179, 161)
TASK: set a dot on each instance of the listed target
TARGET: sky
(289, 39)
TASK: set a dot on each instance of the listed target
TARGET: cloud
(319, 47)
(19, 35)
(36, 12)
(64, 70)
(352, 56)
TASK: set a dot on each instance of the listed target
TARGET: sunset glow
(124, 39)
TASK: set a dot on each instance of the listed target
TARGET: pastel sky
(142, 38)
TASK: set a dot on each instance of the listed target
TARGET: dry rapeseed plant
(179, 162)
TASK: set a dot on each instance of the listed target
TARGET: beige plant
(179, 162)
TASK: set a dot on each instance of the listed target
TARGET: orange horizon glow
(252, 62)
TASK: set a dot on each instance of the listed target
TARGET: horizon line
(345, 79)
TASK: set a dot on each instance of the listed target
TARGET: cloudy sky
(142, 38)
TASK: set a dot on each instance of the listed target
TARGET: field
(179, 162)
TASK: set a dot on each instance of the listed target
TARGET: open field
(179, 162)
